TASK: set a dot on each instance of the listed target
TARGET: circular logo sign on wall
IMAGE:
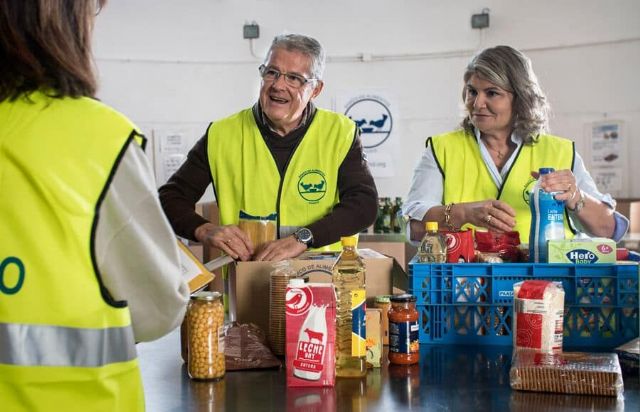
(374, 119)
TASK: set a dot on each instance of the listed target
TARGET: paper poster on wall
(170, 152)
(375, 116)
(607, 144)
(608, 180)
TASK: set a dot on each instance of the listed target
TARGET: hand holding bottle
(561, 182)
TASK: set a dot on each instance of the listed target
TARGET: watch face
(304, 235)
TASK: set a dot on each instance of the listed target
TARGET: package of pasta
(260, 229)
(567, 372)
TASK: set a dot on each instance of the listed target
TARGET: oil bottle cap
(348, 240)
(431, 226)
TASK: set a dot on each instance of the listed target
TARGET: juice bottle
(433, 248)
(349, 284)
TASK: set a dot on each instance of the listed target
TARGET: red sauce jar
(404, 348)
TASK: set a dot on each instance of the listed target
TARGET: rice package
(538, 307)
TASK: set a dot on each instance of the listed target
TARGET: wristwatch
(579, 204)
(304, 235)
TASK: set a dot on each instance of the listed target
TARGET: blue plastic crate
(471, 303)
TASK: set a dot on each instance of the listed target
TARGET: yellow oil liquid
(348, 276)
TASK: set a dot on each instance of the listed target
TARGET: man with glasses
(282, 156)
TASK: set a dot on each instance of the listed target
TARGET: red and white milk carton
(311, 334)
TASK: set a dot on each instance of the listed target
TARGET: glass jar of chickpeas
(205, 326)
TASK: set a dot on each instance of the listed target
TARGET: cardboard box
(249, 282)
(374, 337)
(401, 250)
(582, 251)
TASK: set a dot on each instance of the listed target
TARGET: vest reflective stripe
(246, 177)
(45, 345)
(467, 179)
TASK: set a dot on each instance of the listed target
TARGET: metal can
(205, 329)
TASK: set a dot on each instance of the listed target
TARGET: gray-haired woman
(480, 175)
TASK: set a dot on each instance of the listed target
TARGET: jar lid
(383, 298)
(206, 295)
(405, 297)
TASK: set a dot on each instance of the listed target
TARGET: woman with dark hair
(481, 174)
(88, 262)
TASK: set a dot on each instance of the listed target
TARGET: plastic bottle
(396, 218)
(547, 220)
(349, 284)
(377, 227)
(312, 341)
(386, 215)
(433, 248)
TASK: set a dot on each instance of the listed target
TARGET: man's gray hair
(303, 44)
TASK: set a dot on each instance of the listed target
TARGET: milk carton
(310, 310)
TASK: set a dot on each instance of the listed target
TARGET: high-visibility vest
(246, 177)
(467, 178)
(65, 343)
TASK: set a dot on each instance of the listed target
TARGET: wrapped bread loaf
(568, 372)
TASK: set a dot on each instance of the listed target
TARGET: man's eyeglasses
(292, 79)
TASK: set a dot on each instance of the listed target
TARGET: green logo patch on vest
(528, 187)
(312, 185)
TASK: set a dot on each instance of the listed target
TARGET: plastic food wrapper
(503, 245)
(629, 355)
(568, 372)
(538, 307)
(521, 401)
(260, 229)
(246, 348)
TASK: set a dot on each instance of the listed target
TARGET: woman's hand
(563, 183)
(494, 215)
(229, 238)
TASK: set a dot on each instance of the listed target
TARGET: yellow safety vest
(467, 179)
(245, 175)
(65, 344)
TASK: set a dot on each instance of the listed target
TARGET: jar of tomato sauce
(404, 348)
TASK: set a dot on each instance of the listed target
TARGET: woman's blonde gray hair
(511, 70)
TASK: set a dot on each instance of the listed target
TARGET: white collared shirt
(427, 185)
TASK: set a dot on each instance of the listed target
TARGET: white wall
(184, 63)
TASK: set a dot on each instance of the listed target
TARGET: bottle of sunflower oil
(349, 284)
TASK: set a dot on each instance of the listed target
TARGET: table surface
(448, 378)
